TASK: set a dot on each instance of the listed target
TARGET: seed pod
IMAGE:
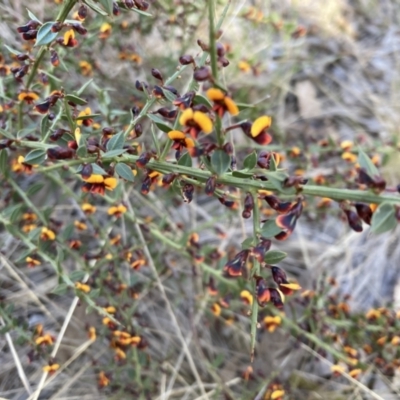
(143, 159)
(224, 62)
(79, 28)
(277, 205)
(30, 35)
(277, 297)
(60, 153)
(57, 134)
(22, 57)
(43, 107)
(141, 5)
(235, 266)
(141, 86)
(364, 212)
(82, 12)
(146, 185)
(202, 45)
(129, 3)
(246, 214)
(157, 74)
(56, 27)
(278, 275)
(116, 10)
(55, 61)
(138, 130)
(258, 252)
(186, 59)
(353, 220)
(202, 74)
(220, 49)
(168, 179)
(108, 130)
(210, 186)
(5, 143)
(228, 148)
(187, 192)
(263, 293)
(87, 171)
(31, 25)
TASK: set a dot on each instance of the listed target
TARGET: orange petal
(215, 94)
(176, 135)
(231, 106)
(110, 183)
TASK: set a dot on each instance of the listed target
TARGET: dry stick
(17, 361)
(58, 342)
(11, 269)
(345, 374)
(232, 382)
(167, 303)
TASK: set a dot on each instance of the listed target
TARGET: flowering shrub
(104, 188)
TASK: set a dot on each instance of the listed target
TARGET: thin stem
(212, 44)
(256, 271)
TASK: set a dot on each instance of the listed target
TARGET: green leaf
(45, 35)
(85, 85)
(125, 172)
(44, 126)
(35, 188)
(272, 164)
(107, 5)
(116, 142)
(113, 153)
(140, 12)
(15, 215)
(220, 161)
(243, 173)
(168, 94)
(81, 151)
(3, 162)
(75, 99)
(384, 219)
(366, 163)
(185, 160)
(76, 276)
(12, 50)
(161, 125)
(35, 157)
(91, 4)
(250, 161)
(91, 116)
(274, 257)
(6, 134)
(60, 290)
(33, 16)
(270, 229)
(247, 243)
(200, 99)
(243, 106)
(97, 170)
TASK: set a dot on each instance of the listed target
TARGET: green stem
(212, 39)
(255, 271)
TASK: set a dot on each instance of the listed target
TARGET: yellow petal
(260, 124)
(231, 106)
(292, 286)
(70, 34)
(95, 179)
(176, 135)
(276, 394)
(186, 116)
(215, 94)
(203, 121)
(77, 135)
(110, 183)
(189, 143)
(246, 296)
